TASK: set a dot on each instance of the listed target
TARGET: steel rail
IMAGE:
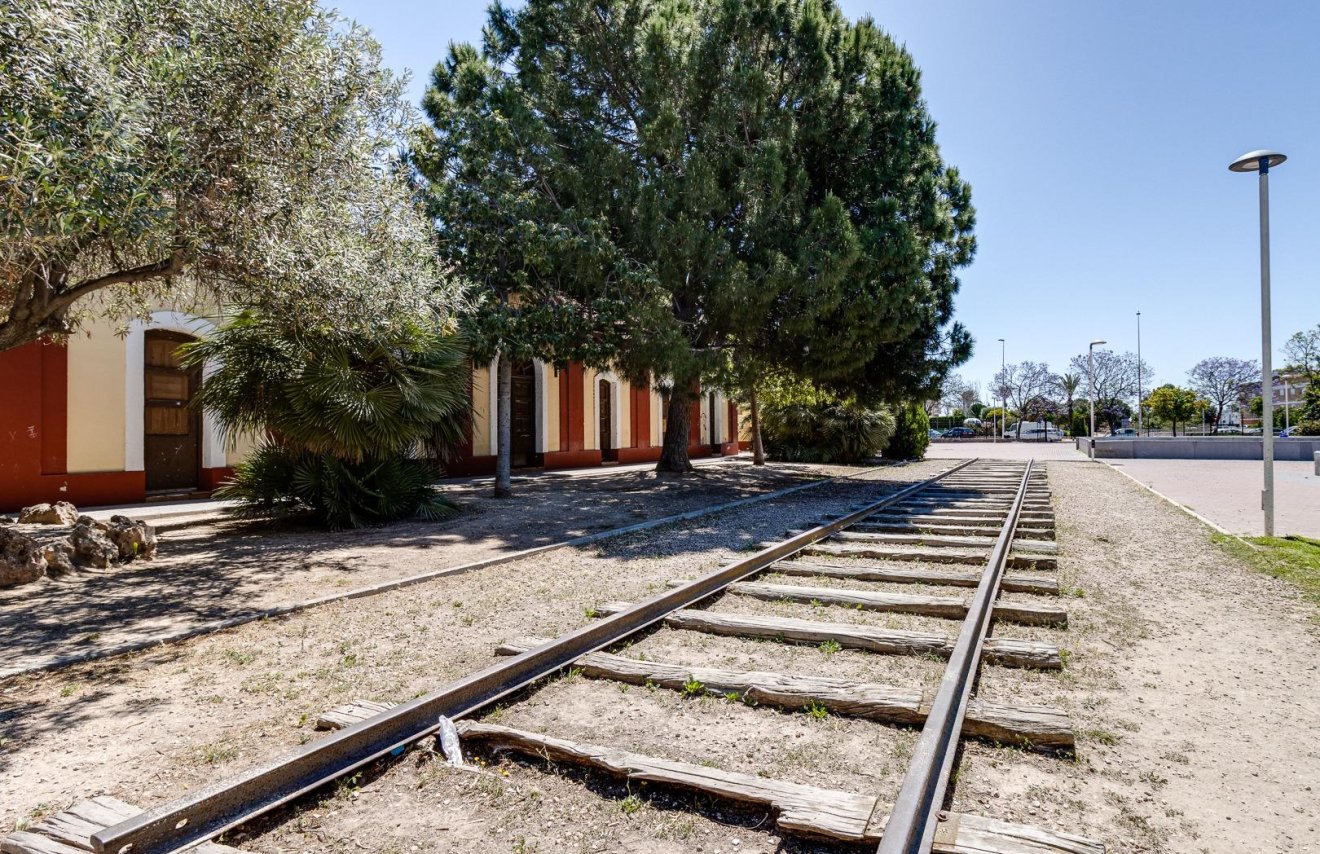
(914, 818)
(225, 804)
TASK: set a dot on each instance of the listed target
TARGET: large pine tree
(760, 177)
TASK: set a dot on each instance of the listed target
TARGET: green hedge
(824, 432)
(911, 434)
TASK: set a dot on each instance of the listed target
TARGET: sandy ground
(1194, 685)
(214, 572)
(149, 725)
(1227, 492)
(1191, 680)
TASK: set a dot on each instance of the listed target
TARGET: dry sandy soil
(1192, 682)
(216, 572)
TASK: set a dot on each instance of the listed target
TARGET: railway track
(980, 535)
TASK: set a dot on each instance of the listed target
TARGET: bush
(911, 434)
(1080, 426)
(348, 419)
(824, 432)
(277, 481)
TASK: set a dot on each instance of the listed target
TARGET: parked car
(935, 434)
(959, 433)
(1125, 433)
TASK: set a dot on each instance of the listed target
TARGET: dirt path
(216, 572)
(1194, 684)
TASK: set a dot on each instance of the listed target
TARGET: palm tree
(354, 428)
(1068, 384)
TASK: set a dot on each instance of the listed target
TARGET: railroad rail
(916, 534)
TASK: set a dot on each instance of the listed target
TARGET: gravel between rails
(148, 726)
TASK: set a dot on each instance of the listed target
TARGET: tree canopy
(761, 178)
(1302, 350)
(1114, 377)
(1219, 379)
(1175, 405)
(218, 152)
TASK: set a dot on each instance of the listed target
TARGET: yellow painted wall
(481, 411)
(551, 408)
(243, 445)
(96, 400)
(590, 420)
(624, 404)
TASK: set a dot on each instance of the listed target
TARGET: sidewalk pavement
(1228, 492)
(960, 450)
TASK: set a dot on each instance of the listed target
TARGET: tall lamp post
(1260, 162)
(1140, 407)
(1090, 385)
(1003, 387)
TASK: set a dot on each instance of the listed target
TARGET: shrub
(911, 433)
(824, 432)
(355, 426)
(277, 481)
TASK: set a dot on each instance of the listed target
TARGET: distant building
(1289, 392)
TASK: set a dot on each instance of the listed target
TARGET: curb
(387, 586)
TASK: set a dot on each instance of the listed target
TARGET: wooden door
(608, 453)
(522, 416)
(172, 444)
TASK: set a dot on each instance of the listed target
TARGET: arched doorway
(522, 416)
(608, 453)
(172, 428)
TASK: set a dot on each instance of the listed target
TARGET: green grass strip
(1294, 559)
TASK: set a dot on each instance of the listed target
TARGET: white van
(1033, 431)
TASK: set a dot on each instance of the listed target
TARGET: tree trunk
(1219, 413)
(674, 453)
(503, 424)
(758, 449)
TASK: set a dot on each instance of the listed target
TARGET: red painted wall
(34, 417)
(572, 427)
(640, 417)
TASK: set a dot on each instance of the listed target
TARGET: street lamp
(1260, 162)
(1090, 382)
(1003, 387)
(1140, 407)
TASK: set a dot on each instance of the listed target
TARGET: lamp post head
(1257, 161)
(1093, 343)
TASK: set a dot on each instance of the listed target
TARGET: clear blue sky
(1096, 137)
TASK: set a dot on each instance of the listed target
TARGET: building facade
(574, 416)
(106, 419)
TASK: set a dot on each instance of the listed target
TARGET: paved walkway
(1227, 492)
(184, 513)
(955, 450)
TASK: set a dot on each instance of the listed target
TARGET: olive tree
(209, 152)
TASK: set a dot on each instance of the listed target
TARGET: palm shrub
(355, 427)
(824, 431)
(911, 433)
